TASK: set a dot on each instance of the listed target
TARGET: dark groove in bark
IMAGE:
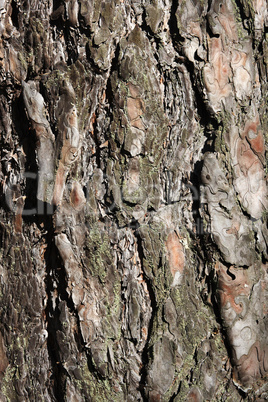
(175, 35)
(149, 33)
(195, 179)
(53, 322)
(27, 140)
(246, 15)
(173, 397)
(146, 350)
(14, 14)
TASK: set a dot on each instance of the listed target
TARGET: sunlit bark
(133, 200)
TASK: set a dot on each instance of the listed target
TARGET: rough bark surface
(133, 200)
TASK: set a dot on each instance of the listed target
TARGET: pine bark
(133, 200)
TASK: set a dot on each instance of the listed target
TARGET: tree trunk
(133, 200)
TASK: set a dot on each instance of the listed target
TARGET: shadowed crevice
(146, 353)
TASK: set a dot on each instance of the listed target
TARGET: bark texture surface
(133, 200)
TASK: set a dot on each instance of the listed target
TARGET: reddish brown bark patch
(77, 196)
(231, 284)
(194, 395)
(254, 136)
(175, 254)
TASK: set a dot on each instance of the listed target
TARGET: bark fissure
(146, 349)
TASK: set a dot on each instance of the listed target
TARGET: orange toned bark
(254, 135)
(247, 153)
(232, 283)
(217, 73)
(59, 184)
(175, 254)
(77, 196)
(243, 303)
